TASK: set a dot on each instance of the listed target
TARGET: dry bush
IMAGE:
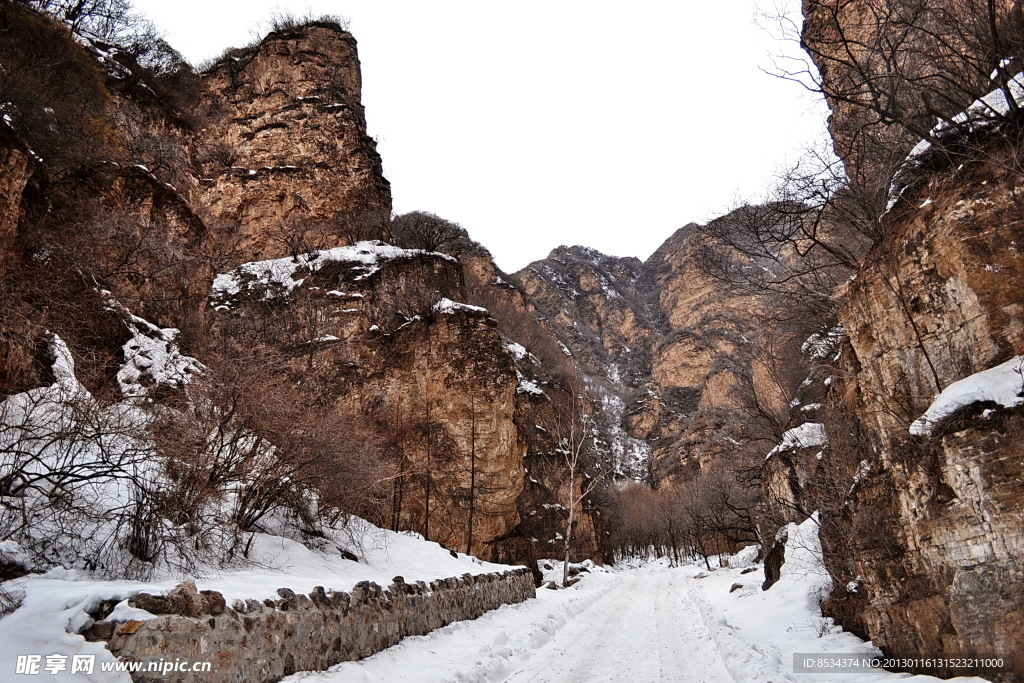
(424, 230)
(54, 93)
(283, 21)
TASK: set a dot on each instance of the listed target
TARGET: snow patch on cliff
(807, 435)
(1003, 384)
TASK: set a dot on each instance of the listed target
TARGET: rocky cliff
(242, 205)
(923, 526)
(933, 525)
(669, 353)
(286, 164)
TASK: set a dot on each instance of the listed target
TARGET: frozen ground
(645, 623)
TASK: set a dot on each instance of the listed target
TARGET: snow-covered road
(647, 623)
(646, 628)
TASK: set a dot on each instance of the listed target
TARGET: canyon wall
(670, 354)
(928, 534)
(217, 203)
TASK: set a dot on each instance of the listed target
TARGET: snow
(278, 277)
(649, 622)
(518, 351)
(820, 346)
(1002, 384)
(525, 386)
(76, 463)
(58, 602)
(153, 359)
(807, 435)
(983, 113)
(630, 455)
(447, 306)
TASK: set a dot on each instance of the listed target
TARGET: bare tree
(575, 435)
(896, 67)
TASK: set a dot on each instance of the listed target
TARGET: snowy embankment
(56, 605)
(648, 623)
(274, 278)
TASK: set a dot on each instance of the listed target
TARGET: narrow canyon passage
(652, 623)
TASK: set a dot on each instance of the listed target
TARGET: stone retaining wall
(265, 641)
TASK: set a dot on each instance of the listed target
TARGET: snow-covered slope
(56, 605)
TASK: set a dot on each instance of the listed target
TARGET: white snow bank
(644, 623)
(1002, 384)
(278, 277)
(807, 435)
(152, 358)
(447, 306)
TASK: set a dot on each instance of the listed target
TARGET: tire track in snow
(646, 629)
(687, 646)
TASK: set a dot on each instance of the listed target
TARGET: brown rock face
(373, 341)
(938, 299)
(889, 68)
(597, 306)
(287, 164)
(13, 177)
(266, 155)
(667, 351)
(935, 529)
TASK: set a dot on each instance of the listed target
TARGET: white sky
(539, 123)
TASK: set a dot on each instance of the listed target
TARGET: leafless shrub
(423, 230)
(283, 21)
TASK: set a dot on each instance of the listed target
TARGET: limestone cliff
(285, 160)
(597, 307)
(669, 352)
(926, 528)
(935, 302)
(232, 204)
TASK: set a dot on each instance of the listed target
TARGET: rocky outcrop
(933, 527)
(389, 339)
(890, 70)
(13, 178)
(287, 164)
(598, 308)
(668, 351)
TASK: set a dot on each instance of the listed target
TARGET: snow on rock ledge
(807, 435)
(1002, 384)
(983, 113)
(447, 306)
(278, 277)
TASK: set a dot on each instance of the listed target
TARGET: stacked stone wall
(252, 640)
